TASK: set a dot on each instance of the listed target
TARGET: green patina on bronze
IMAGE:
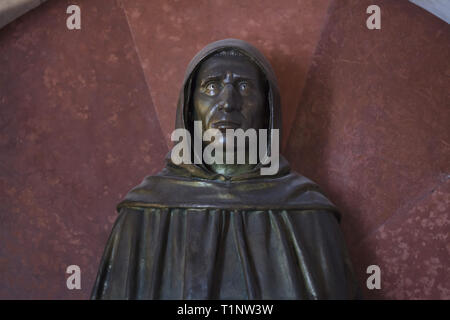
(190, 232)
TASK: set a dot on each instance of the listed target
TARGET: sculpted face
(230, 93)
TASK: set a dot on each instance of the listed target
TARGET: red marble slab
(412, 250)
(77, 131)
(372, 127)
(169, 33)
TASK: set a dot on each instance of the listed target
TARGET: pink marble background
(85, 115)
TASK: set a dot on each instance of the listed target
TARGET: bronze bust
(226, 231)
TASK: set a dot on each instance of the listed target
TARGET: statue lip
(225, 124)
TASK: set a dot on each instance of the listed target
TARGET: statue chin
(230, 150)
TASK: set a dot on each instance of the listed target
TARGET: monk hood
(284, 190)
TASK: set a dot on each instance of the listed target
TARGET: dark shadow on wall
(288, 72)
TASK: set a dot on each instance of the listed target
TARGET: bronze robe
(189, 233)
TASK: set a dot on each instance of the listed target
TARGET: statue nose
(228, 98)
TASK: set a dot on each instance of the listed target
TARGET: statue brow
(211, 77)
(220, 76)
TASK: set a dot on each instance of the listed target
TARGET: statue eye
(211, 88)
(243, 86)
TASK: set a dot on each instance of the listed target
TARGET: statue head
(230, 92)
(229, 84)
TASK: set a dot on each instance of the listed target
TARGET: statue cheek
(202, 106)
(255, 108)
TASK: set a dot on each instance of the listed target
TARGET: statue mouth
(225, 124)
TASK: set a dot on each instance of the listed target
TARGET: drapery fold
(156, 253)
